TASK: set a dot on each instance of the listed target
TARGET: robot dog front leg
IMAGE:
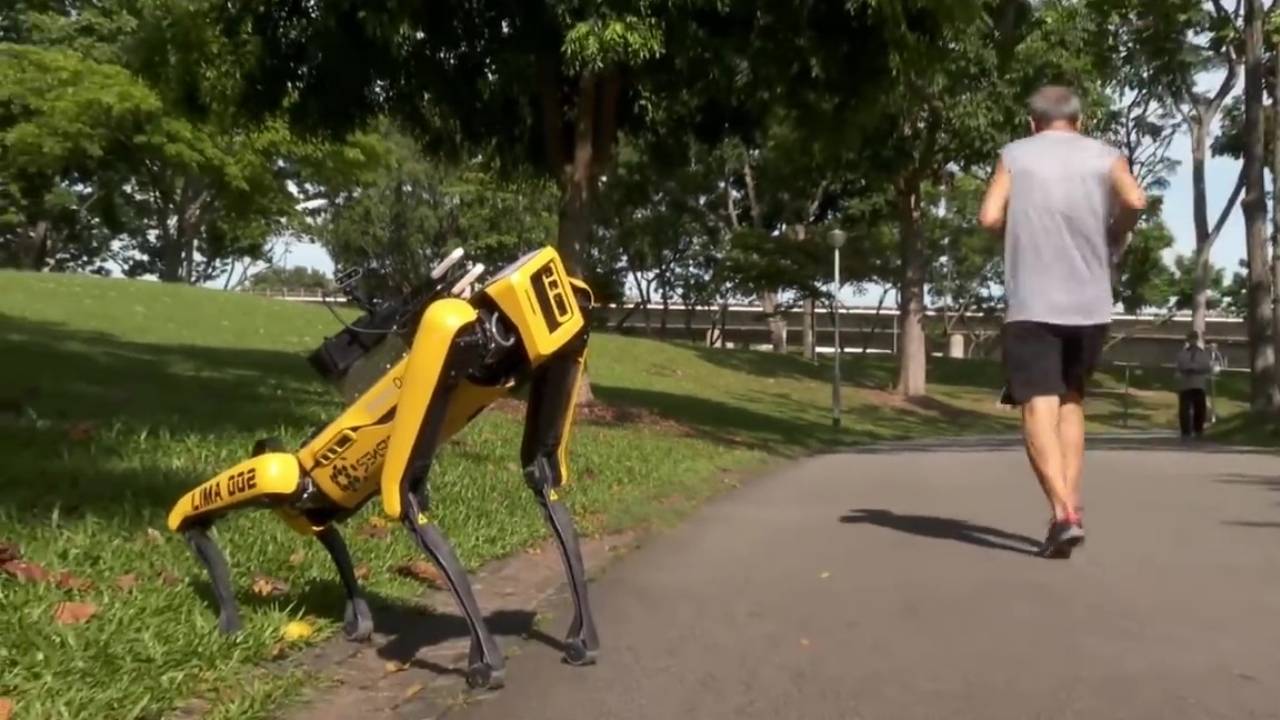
(210, 556)
(485, 663)
(543, 452)
(446, 348)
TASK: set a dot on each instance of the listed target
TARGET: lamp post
(836, 238)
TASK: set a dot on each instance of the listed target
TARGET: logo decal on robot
(342, 476)
(553, 297)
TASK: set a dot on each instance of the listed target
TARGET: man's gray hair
(1054, 103)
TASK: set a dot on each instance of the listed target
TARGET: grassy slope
(116, 396)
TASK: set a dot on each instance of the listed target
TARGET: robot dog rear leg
(357, 620)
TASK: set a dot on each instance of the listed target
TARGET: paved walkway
(896, 583)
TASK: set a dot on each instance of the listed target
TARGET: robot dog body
(527, 325)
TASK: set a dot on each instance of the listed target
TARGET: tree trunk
(1275, 211)
(724, 324)
(622, 321)
(1202, 117)
(1199, 153)
(32, 247)
(777, 323)
(666, 311)
(868, 337)
(810, 343)
(769, 298)
(912, 353)
(579, 180)
(1264, 395)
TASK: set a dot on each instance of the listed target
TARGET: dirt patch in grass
(598, 413)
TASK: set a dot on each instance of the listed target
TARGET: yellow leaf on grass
(362, 571)
(297, 557)
(297, 630)
(127, 582)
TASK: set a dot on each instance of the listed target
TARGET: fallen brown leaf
(376, 532)
(168, 579)
(297, 558)
(66, 581)
(362, 571)
(73, 613)
(154, 536)
(412, 690)
(127, 582)
(266, 586)
(9, 552)
(804, 642)
(278, 650)
(395, 667)
(377, 521)
(6, 708)
(422, 571)
(25, 571)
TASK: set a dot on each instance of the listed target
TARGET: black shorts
(1044, 360)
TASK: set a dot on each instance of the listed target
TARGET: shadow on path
(938, 528)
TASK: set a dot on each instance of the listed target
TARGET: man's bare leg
(1071, 439)
(1040, 421)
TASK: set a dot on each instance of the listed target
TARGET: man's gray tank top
(1056, 255)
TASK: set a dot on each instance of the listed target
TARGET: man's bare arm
(995, 203)
(1131, 201)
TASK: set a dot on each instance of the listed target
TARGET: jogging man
(1065, 205)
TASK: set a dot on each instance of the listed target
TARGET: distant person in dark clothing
(1195, 366)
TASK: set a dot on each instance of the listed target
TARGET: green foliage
(595, 44)
(1185, 285)
(119, 144)
(967, 273)
(295, 278)
(1146, 280)
(404, 212)
(64, 121)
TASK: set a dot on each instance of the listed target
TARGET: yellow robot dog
(527, 325)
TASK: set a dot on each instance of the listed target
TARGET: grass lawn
(117, 396)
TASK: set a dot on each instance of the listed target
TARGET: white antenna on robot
(450, 260)
(465, 283)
